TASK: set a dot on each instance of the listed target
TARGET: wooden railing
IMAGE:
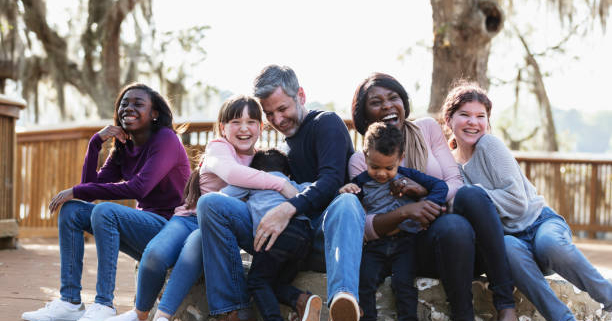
(578, 188)
(50, 161)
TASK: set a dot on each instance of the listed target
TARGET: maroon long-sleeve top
(154, 174)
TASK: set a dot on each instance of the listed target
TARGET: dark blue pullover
(319, 153)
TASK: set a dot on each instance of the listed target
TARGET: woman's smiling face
(384, 105)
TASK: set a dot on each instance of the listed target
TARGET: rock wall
(432, 301)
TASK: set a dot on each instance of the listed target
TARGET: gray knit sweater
(493, 168)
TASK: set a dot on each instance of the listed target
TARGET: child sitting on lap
(395, 253)
(271, 273)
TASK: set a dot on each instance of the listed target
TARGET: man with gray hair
(319, 150)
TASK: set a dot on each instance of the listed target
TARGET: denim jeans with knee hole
(338, 243)
(546, 247)
(115, 228)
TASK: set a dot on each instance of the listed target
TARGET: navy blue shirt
(376, 197)
(319, 153)
(437, 188)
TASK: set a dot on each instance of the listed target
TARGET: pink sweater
(440, 164)
(222, 165)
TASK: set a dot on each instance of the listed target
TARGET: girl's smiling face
(469, 123)
(242, 132)
(135, 111)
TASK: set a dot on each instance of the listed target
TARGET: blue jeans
(338, 242)
(546, 247)
(473, 203)
(393, 256)
(447, 251)
(115, 228)
(271, 273)
(178, 244)
(226, 227)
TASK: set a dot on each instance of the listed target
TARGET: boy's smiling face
(382, 168)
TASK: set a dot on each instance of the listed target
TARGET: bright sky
(332, 45)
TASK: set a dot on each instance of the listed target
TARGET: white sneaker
(56, 310)
(127, 316)
(98, 312)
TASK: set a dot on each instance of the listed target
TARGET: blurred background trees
(73, 68)
(94, 55)
(463, 31)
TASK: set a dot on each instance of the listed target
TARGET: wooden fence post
(9, 112)
(593, 201)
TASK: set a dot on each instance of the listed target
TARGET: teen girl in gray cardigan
(538, 240)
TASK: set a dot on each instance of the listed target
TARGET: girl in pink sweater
(225, 161)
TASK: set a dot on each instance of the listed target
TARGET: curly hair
(383, 138)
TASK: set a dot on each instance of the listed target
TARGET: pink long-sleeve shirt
(222, 165)
(440, 164)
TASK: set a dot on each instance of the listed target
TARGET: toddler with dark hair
(395, 253)
(272, 271)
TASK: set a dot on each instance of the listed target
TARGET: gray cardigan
(493, 168)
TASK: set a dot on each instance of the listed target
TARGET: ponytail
(192, 192)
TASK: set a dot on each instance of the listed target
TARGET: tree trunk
(463, 30)
(100, 84)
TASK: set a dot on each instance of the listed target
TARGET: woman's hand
(423, 212)
(406, 186)
(289, 190)
(61, 198)
(349, 188)
(113, 131)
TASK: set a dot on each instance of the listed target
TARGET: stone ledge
(432, 301)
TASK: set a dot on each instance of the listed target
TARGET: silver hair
(274, 76)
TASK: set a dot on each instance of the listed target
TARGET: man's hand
(113, 131)
(272, 225)
(289, 190)
(349, 188)
(61, 198)
(408, 187)
(423, 212)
